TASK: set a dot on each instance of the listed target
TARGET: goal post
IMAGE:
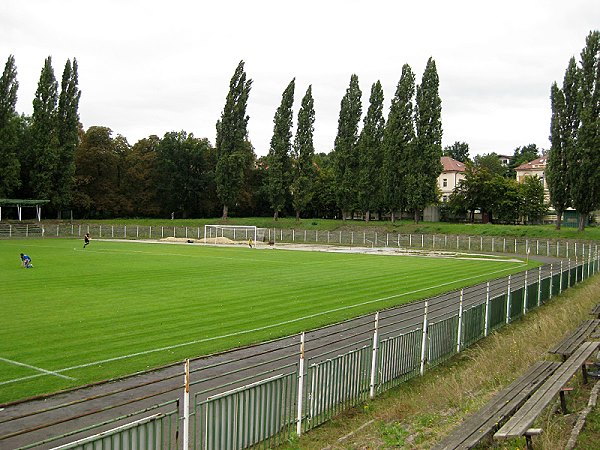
(232, 234)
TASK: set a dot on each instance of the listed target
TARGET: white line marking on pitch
(238, 333)
(47, 372)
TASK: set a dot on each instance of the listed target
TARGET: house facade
(452, 173)
(533, 168)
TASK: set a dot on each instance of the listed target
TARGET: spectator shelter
(19, 204)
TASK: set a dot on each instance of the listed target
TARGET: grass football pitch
(115, 308)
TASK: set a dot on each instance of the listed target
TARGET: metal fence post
(374, 358)
(525, 295)
(300, 386)
(539, 299)
(569, 272)
(560, 281)
(508, 301)
(424, 340)
(460, 313)
(487, 309)
(186, 406)
(551, 281)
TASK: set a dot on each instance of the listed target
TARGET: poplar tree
(67, 125)
(585, 154)
(398, 137)
(345, 149)
(45, 143)
(231, 143)
(556, 168)
(370, 154)
(9, 142)
(424, 166)
(303, 155)
(278, 158)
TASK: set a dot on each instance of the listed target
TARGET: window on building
(444, 198)
(445, 182)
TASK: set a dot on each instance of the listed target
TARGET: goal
(231, 234)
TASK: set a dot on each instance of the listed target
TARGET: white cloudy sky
(149, 67)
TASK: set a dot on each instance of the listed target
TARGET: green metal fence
(337, 384)
(399, 359)
(260, 415)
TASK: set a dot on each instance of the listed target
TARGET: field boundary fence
(265, 395)
(375, 240)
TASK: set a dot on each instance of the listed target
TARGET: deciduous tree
(370, 154)
(458, 151)
(45, 144)
(10, 166)
(345, 150)
(423, 164)
(303, 151)
(67, 127)
(231, 144)
(398, 137)
(279, 156)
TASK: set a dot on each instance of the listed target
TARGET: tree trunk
(558, 219)
(368, 216)
(297, 216)
(581, 218)
(416, 216)
(276, 215)
(393, 216)
(225, 211)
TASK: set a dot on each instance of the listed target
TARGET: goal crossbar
(234, 233)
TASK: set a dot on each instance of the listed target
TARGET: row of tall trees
(574, 160)
(384, 166)
(37, 153)
(389, 166)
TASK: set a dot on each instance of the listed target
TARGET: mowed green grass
(116, 308)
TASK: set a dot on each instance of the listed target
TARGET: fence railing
(457, 243)
(261, 396)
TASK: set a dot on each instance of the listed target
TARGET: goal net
(232, 234)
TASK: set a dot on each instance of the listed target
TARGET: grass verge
(422, 411)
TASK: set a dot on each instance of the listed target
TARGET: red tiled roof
(452, 165)
(536, 164)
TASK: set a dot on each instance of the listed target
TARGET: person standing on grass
(86, 239)
(26, 261)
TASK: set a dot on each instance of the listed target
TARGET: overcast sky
(150, 67)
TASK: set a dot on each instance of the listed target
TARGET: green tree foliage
(584, 156)
(303, 155)
(490, 162)
(398, 137)
(67, 130)
(279, 157)
(370, 154)
(233, 155)
(324, 204)
(423, 164)
(10, 166)
(556, 168)
(100, 174)
(45, 144)
(458, 151)
(345, 148)
(522, 155)
(533, 207)
(142, 180)
(182, 162)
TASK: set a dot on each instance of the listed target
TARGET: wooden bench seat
(596, 311)
(572, 341)
(501, 406)
(521, 421)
